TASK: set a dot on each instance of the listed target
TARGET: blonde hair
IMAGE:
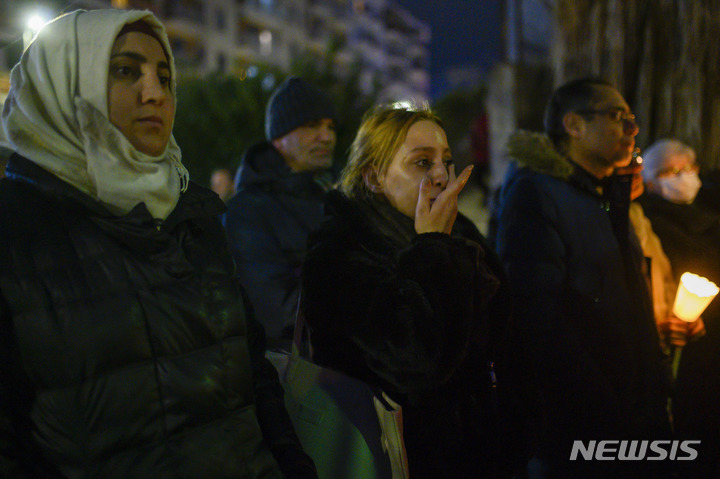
(381, 133)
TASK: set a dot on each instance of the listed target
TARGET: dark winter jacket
(268, 222)
(690, 234)
(709, 194)
(408, 313)
(584, 321)
(124, 343)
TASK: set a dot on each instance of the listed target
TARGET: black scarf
(384, 218)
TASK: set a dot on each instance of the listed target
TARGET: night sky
(464, 33)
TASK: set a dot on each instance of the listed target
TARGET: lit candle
(693, 296)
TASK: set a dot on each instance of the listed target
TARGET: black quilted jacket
(124, 345)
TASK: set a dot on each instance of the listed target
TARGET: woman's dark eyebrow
(423, 148)
(139, 58)
(132, 55)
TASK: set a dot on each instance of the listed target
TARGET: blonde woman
(398, 292)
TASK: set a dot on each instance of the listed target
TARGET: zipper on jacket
(493, 377)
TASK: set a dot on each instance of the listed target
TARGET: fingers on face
(465, 175)
(425, 186)
(451, 173)
(424, 194)
(447, 198)
(458, 184)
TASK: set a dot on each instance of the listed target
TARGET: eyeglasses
(675, 171)
(614, 114)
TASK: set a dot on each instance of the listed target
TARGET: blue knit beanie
(294, 103)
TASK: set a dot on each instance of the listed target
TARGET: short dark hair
(577, 94)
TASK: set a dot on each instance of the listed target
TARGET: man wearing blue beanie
(280, 184)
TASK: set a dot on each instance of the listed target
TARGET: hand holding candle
(694, 294)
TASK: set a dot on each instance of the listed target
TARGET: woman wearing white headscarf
(126, 345)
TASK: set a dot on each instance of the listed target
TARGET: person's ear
(370, 177)
(574, 124)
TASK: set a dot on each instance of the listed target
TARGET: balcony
(187, 10)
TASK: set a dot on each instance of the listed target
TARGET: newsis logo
(625, 450)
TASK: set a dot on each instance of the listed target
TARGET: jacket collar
(263, 167)
(195, 202)
(694, 218)
(370, 219)
(538, 153)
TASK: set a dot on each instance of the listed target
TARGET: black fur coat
(409, 313)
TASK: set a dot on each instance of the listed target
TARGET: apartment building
(232, 36)
(390, 45)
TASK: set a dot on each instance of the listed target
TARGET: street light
(34, 23)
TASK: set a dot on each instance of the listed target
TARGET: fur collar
(537, 152)
(348, 219)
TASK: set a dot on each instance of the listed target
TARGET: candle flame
(699, 285)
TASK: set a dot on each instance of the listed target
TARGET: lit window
(265, 38)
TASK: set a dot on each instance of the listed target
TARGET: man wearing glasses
(584, 321)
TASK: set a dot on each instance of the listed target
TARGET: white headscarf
(56, 115)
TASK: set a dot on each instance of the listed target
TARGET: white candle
(693, 296)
